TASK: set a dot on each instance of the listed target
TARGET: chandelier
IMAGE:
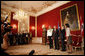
(20, 14)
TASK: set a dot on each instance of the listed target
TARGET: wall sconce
(33, 28)
(43, 26)
(14, 26)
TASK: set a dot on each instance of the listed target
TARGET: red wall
(32, 23)
(52, 17)
(14, 22)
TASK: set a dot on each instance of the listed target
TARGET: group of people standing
(54, 35)
(19, 38)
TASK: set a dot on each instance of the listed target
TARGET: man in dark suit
(63, 39)
(16, 37)
(19, 38)
(56, 35)
(27, 37)
(10, 38)
(23, 37)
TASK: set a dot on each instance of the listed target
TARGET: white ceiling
(33, 8)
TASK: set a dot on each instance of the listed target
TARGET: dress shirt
(49, 32)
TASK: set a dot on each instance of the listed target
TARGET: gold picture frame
(70, 15)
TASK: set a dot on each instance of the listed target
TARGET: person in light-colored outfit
(68, 38)
(49, 35)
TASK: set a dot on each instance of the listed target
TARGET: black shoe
(70, 52)
(55, 49)
(63, 50)
(58, 49)
(50, 47)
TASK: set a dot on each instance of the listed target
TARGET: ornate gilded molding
(32, 9)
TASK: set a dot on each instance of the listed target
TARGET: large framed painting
(70, 15)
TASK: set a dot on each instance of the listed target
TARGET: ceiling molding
(34, 8)
(51, 7)
(31, 7)
(12, 9)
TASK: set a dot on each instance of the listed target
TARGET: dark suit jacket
(44, 34)
(55, 33)
(63, 34)
(23, 35)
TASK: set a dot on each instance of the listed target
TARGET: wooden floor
(39, 50)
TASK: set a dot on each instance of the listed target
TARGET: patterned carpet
(39, 50)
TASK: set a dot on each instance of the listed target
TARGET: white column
(36, 26)
(28, 23)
